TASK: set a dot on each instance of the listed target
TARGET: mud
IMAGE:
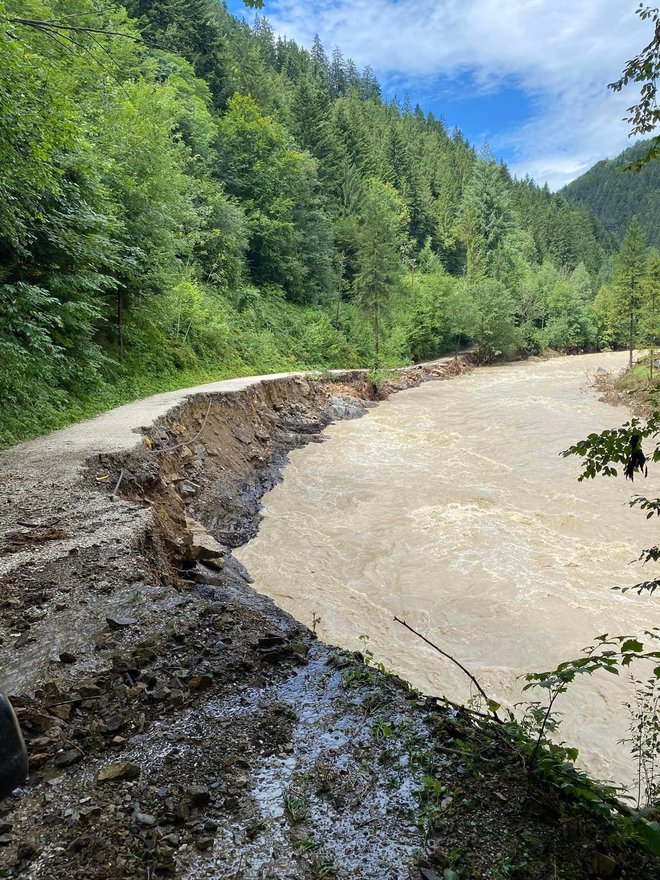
(181, 725)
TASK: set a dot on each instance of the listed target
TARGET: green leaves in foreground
(609, 654)
(621, 450)
(600, 452)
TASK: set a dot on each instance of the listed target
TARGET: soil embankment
(178, 723)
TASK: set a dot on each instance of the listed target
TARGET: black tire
(13, 754)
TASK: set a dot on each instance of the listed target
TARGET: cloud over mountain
(560, 54)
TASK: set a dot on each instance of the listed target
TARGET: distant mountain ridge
(615, 195)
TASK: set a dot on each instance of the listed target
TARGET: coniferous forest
(185, 197)
(615, 195)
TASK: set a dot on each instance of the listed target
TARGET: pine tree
(651, 310)
(338, 78)
(628, 279)
(486, 218)
(379, 262)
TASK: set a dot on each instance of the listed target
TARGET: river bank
(451, 507)
(179, 724)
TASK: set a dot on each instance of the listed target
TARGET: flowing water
(450, 506)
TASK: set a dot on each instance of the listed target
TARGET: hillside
(615, 195)
(187, 198)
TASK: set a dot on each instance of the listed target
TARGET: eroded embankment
(179, 724)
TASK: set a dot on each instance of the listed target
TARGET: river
(449, 505)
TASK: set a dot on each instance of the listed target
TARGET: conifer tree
(379, 262)
(486, 217)
(628, 279)
(651, 310)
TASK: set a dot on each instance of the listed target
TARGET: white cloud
(561, 53)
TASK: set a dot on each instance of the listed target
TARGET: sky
(526, 77)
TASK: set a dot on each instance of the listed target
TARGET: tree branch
(456, 662)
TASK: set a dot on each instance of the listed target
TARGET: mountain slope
(615, 195)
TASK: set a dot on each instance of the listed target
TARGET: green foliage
(650, 318)
(628, 280)
(486, 222)
(615, 195)
(644, 69)
(495, 331)
(378, 259)
(644, 741)
(288, 239)
(183, 196)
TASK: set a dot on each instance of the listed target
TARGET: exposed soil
(630, 388)
(181, 725)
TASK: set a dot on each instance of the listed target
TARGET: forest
(186, 197)
(615, 195)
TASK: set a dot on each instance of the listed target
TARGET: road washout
(181, 725)
(452, 507)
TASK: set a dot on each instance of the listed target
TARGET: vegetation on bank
(186, 197)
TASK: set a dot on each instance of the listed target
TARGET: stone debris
(120, 622)
(118, 770)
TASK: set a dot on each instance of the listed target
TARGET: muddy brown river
(450, 506)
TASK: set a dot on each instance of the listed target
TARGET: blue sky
(529, 77)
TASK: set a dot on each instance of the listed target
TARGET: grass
(22, 425)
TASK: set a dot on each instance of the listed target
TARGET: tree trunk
(120, 326)
(376, 332)
(632, 319)
(339, 287)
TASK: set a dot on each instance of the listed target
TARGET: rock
(161, 693)
(187, 489)
(38, 760)
(114, 723)
(67, 757)
(199, 682)
(210, 825)
(27, 851)
(120, 622)
(63, 712)
(198, 795)
(204, 843)
(39, 721)
(88, 691)
(605, 866)
(242, 434)
(346, 407)
(67, 657)
(274, 648)
(6, 839)
(202, 545)
(146, 819)
(118, 770)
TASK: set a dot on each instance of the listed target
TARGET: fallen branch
(116, 489)
(456, 662)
